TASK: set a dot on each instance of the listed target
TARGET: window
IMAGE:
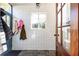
(63, 25)
(6, 18)
(59, 6)
(38, 20)
(66, 14)
(66, 27)
(3, 46)
(59, 19)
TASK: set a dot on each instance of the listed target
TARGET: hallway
(37, 38)
(39, 29)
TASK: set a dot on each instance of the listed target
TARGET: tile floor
(37, 53)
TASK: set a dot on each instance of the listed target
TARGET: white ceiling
(21, 4)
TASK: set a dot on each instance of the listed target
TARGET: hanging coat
(20, 24)
(23, 34)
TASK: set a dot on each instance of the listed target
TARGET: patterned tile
(37, 53)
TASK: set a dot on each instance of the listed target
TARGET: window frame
(11, 18)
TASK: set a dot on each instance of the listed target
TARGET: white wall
(37, 39)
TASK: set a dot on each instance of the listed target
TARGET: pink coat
(20, 24)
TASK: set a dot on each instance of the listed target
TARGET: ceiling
(19, 4)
